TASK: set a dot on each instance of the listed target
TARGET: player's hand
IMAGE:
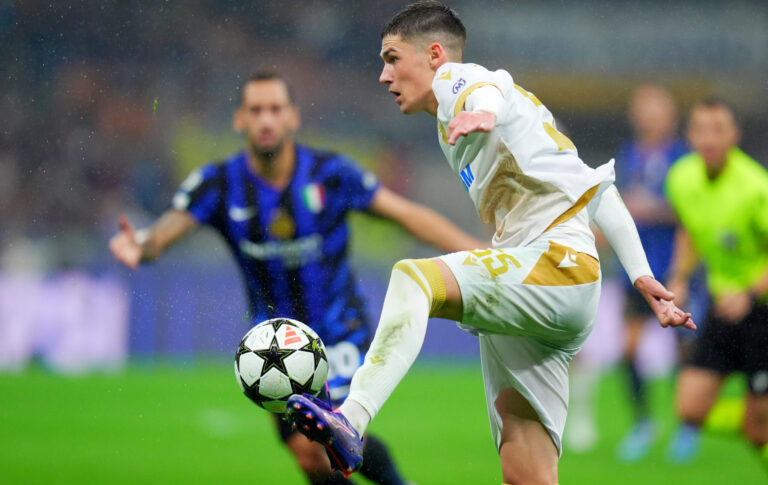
(662, 304)
(468, 122)
(733, 307)
(124, 245)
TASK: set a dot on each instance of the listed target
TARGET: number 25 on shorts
(495, 261)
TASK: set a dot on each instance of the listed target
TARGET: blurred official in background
(720, 195)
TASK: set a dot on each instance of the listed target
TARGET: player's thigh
(697, 389)
(539, 374)
(527, 452)
(756, 419)
(547, 291)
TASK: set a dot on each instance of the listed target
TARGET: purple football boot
(317, 420)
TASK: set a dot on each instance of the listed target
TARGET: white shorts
(532, 307)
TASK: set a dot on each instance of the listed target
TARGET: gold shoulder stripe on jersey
(443, 134)
(446, 75)
(563, 142)
(575, 208)
(528, 95)
(463, 97)
(549, 270)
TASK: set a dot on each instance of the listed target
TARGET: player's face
(653, 113)
(267, 116)
(712, 131)
(408, 74)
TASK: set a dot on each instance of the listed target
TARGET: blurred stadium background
(113, 376)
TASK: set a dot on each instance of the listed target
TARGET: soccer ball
(277, 358)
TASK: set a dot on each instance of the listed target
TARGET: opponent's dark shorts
(743, 347)
(635, 305)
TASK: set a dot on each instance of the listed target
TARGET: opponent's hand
(661, 302)
(733, 307)
(468, 122)
(124, 245)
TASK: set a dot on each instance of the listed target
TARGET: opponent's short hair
(429, 19)
(271, 75)
(716, 102)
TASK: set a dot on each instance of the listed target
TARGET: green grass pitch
(190, 424)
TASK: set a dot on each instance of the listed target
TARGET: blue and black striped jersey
(291, 244)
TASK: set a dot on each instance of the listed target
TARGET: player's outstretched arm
(132, 247)
(612, 217)
(422, 222)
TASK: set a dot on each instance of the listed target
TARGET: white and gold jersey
(524, 176)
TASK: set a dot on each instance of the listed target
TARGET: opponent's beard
(267, 152)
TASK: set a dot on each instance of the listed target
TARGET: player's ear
(237, 121)
(436, 55)
(295, 121)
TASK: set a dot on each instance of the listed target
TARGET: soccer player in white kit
(532, 299)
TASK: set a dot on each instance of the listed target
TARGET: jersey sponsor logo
(467, 177)
(241, 214)
(294, 253)
(569, 261)
(445, 76)
(458, 85)
(729, 241)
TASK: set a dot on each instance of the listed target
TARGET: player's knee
(428, 277)
(513, 474)
(691, 411)
(757, 434)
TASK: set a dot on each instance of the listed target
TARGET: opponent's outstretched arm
(132, 247)
(422, 222)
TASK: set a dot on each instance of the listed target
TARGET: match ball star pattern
(277, 358)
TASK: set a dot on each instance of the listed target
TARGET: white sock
(416, 290)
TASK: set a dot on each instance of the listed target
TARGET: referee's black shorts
(725, 347)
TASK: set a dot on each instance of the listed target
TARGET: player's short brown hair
(427, 19)
(716, 102)
(271, 75)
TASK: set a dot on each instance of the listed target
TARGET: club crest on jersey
(458, 85)
(467, 177)
(282, 225)
(313, 196)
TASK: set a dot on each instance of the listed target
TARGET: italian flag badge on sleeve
(314, 197)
